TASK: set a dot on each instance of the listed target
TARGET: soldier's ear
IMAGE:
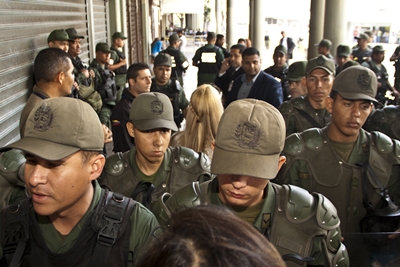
(60, 78)
(130, 128)
(329, 104)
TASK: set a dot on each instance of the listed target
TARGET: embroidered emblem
(43, 118)
(157, 107)
(266, 221)
(364, 81)
(247, 135)
(365, 147)
(320, 61)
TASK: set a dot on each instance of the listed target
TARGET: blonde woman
(204, 112)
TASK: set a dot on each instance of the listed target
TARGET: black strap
(291, 257)
(39, 95)
(147, 189)
(310, 119)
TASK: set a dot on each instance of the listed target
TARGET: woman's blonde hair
(204, 112)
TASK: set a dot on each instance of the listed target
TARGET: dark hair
(250, 51)
(49, 63)
(239, 46)
(220, 36)
(133, 70)
(209, 236)
(241, 40)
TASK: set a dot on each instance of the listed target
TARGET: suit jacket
(265, 88)
(290, 46)
(225, 80)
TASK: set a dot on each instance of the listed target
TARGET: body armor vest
(208, 60)
(123, 69)
(177, 69)
(108, 89)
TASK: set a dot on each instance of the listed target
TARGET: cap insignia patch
(43, 118)
(247, 135)
(157, 107)
(364, 81)
(320, 61)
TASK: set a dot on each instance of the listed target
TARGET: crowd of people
(294, 165)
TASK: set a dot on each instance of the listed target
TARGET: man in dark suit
(288, 43)
(255, 83)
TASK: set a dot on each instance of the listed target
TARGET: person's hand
(225, 66)
(107, 134)
(86, 72)
(76, 85)
(91, 73)
(395, 235)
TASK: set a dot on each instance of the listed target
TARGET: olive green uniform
(120, 79)
(314, 164)
(299, 115)
(208, 58)
(385, 120)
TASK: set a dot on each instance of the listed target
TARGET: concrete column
(91, 33)
(335, 23)
(316, 26)
(218, 16)
(230, 24)
(146, 28)
(252, 21)
(258, 26)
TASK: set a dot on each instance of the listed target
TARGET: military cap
(280, 49)
(356, 83)
(173, 38)
(152, 111)
(296, 71)
(343, 51)
(51, 134)
(321, 62)
(103, 47)
(325, 43)
(163, 59)
(73, 34)
(119, 35)
(58, 35)
(211, 35)
(363, 36)
(249, 141)
(377, 49)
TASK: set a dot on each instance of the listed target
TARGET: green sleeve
(114, 56)
(220, 56)
(196, 57)
(183, 102)
(80, 78)
(295, 172)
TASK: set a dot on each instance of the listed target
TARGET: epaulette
(298, 102)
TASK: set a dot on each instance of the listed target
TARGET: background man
(280, 68)
(396, 58)
(362, 52)
(220, 43)
(182, 37)
(297, 79)
(288, 43)
(64, 217)
(139, 80)
(342, 56)
(324, 48)
(118, 62)
(341, 162)
(58, 38)
(309, 111)
(250, 138)
(208, 59)
(179, 61)
(151, 168)
(255, 83)
(163, 84)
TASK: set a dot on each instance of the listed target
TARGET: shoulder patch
(293, 144)
(286, 108)
(114, 164)
(298, 102)
(313, 138)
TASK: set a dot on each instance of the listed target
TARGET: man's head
(362, 41)
(174, 40)
(103, 53)
(350, 103)
(378, 54)
(280, 56)
(235, 60)
(74, 42)
(251, 62)
(54, 70)
(211, 37)
(63, 155)
(151, 121)
(162, 68)
(180, 32)
(320, 72)
(139, 78)
(220, 40)
(324, 47)
(342, 54)
(59, 39)
(283, 33)
(370, 36)
(249, 140)
(118, 39)
(242, 41)
(296, 76)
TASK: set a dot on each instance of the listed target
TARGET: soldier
(385, 120)
(309, 111)
(68, 220)
(220, 43)
(342, 56)
(139, 80)
(358, 171)
(163, 83)
(280, 68)
(179, 62)
(59, 39)
(104, 82)
(250, 138)
(396, 58)
(150, 168)
(208, 59)
(362, 52)
(296, 77)
(324, 48)
(386, 93)
(118, 62)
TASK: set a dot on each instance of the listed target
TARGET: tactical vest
(185, 166)
(123, 69)
(306, 215)
(208, 60)
(383, 77)
(385, 120)
(108, 89)
(103, 241)
(177, 69)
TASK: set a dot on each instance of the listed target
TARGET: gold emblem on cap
(247, 135)
(43, 118)
(157, 107)
(364, 81)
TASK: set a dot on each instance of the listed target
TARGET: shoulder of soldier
(386, 145)
(114, 165)
(297, 142)
(12, 164)
(299, 102)
(189, 159)
(286, 108)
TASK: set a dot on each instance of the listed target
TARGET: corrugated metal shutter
(100, 21)
(24, 27)
(135, 31)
